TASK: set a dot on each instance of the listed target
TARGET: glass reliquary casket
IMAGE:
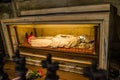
(72, 35)
(76, 38)
(64, 41)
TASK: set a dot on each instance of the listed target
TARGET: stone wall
(21, 5)
(5, 10)
(42, 4)
(116, 3)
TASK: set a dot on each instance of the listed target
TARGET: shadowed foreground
(9, 68)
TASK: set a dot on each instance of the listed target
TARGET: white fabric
(66, 41)
(60, 40)
(41, 42)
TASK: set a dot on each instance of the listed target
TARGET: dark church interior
(59, 40)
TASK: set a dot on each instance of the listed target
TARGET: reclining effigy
(62, 41)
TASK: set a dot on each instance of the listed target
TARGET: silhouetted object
(52, 67)
(20, 68)
(93, 73)
(26, 35)
(3, 75)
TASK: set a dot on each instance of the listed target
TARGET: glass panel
(80, 38)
